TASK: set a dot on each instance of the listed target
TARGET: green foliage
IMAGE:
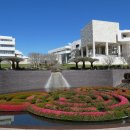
(6, 97)
(105, 97)
(17, 100)
(23, 96)
(101, 106)
(88, 99)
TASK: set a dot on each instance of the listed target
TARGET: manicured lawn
(4, 66)
(79, 104)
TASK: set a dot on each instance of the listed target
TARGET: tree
(38, 60)
(51, 59)
(92, 60)
(126, 58)
(75, 57)
(109, 60)
(1, 59)
(76, 60)
(83, 59)
(34, 59)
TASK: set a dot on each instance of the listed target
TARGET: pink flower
(30, 97)
(11, 107)
(123, 101)
(58, 112)
(62, 99)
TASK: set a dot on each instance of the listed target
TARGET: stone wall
(11, 81)
(118, 75)
(94, 77)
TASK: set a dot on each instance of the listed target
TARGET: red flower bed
(70, 104)
(123, 101)
(57, 112)
(82, 104)
(11, 107)
(83, 109)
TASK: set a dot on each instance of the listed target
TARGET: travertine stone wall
(99, 31)
(90, 78)
(105, 31)
(11, 81)
(87, 35)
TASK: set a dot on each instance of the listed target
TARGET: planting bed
(79, 104)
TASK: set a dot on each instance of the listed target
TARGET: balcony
(124, 36)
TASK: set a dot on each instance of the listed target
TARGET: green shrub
(101, 106)
(88, 99)
(33, 101)
(6, 97)
(24, 96)
(105, 97)
(17, 100)
(40, 105)
(92, 96)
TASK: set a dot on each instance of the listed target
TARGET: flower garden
(79, 104)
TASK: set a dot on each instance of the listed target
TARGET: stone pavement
(119, 128)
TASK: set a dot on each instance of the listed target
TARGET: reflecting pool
(27, 119)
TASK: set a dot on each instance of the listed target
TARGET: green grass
(4, 66)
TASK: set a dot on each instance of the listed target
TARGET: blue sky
(42, 25)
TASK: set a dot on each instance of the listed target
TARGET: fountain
(56, 81)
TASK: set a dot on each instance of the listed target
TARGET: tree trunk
(83, 65)
(13, 65)
(91, 65)
(0, 64)
(17, 65)
(76, 65)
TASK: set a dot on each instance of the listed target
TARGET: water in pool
(27, 119)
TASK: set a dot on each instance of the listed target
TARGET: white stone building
(63, 53)
(100, 39)
(7, 46)
(8, 50)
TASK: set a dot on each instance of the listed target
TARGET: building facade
(8, 51)
(100, 39)
(7, 46)
(64, 53)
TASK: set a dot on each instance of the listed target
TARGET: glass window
(4, 45)
(6, 52)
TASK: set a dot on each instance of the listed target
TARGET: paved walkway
(119, 128)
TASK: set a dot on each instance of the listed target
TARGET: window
(3, 45)
(5, 39)
(6, 52)
(113, 50)
(77, 46)
(124, 35)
